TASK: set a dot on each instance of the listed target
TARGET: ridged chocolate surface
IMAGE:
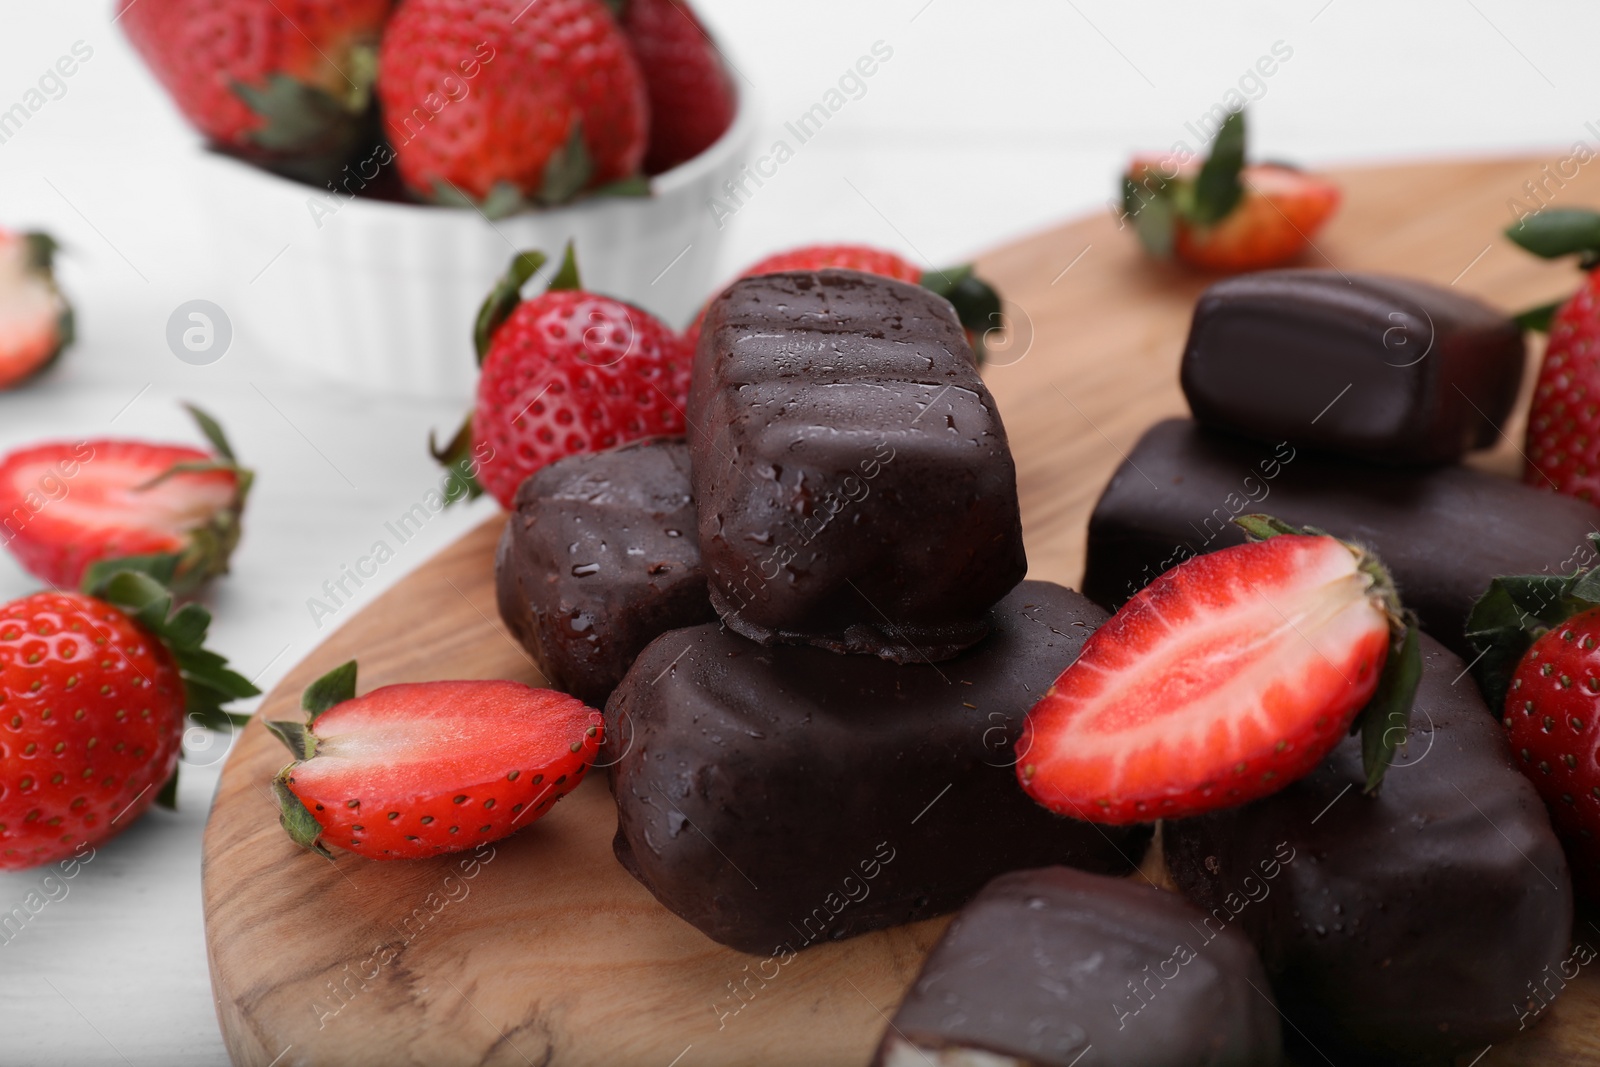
(598, 558)
(1059, 968)
(855, 487)
(1444, 533)
(1407, 926)
(779, 796)
(1363, 366)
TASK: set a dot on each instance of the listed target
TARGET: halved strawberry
(1223, 215)
(562, 373)
(35, 319)
(415, 770)
(1227, 678)
(67, 507)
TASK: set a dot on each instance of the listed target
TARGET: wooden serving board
(542, 950)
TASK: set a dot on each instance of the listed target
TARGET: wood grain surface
(541, 949)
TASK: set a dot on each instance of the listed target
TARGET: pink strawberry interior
(414, 741)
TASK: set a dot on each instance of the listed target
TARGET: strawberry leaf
(133, 585)
(977, 304)
(329, 691)
(504, 298)
(296, 118)
(301, 825)
(1156, 223)
(1557, 232)
(1385, 720)
(1537, 319)
(168, 797)
(568, 170)
(212, 429)
(634, 186)
(42, 249)
(160, 566)
(457, 458)
(1513, 612)
(1217, 189)
(566, 279)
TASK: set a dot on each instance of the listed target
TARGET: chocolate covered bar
(1377, 916)
(1363, 366)
(775, 797)
(598, 558)
(1058, 968)
(855, 488)
(1444, 533)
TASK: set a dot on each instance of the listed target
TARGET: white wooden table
(989, 120)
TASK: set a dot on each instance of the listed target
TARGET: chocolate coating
(856, 490)
(1363, 366)
(599, 558)
(1380, 928)
(777, 796)
(1444, 533)
(1058, 968)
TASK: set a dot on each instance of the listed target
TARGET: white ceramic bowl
(382, 295)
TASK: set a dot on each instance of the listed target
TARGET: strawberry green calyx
(1554, 233)
(1515, 611)
(1157, 202)
(1385, 720)
(41, 263)
(975, 300)
(504, 298)
(329, 691)
(456, 457)
(135, 588)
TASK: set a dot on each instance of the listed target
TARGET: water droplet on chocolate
(583, 570)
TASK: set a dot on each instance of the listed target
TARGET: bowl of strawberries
(369, 164)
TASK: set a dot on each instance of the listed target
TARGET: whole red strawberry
(506, 102)
(1227, 678)
(1538, 637)
(271, 78)
(1563, 446)
(67, 506)
(1223, 215)
(94, 692)
(691, 97)
(35, 319)
(563, 373)
(411, 771)
(976, 303)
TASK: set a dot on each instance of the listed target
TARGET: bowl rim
(668, 183)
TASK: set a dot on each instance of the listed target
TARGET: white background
(993, 118)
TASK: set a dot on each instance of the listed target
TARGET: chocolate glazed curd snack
(776, 797)
(1405, 926)
(600, 558)
(855, 487)
(1058, 968)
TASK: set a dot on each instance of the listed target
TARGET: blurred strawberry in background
(1223, 215)
(691, 97)
(35, 319)
(274, 80)
(508, 104)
